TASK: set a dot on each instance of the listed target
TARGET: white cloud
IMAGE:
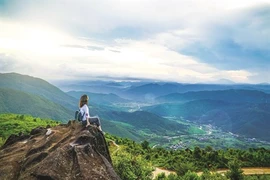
(103, 16)
(55, 55)
(57, 39)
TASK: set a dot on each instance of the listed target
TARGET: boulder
(67, 151)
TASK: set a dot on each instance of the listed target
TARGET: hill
(151, 90)
(38, 87)
(122, 130)
(146, 121)
(32, 101)
(232, 95)
(14, 101)
(99, 98)
(249, 119)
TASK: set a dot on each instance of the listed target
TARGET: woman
(86, 120)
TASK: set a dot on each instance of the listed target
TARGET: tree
(130, 167)
(183, 167)
(161, 176)
(197, 153)
(191, 176)
(145, 144)
(235, 172)
(212, 176)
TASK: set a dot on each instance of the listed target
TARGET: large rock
(63, 152)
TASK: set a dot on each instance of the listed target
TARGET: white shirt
(85, 111)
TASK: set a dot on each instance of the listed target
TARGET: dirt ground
(247, 171)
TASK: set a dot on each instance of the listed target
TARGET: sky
(187, 41)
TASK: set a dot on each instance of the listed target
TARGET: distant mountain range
(148, 91)
(223, 81)
(99, 98)
(241, 109)
(24, 94)
(232, 95)
(249, 119)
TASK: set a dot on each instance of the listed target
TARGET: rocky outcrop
(67, 151)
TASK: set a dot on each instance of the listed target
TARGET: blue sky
(191, 41)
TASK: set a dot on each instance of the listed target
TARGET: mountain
(249, 119)
(122, 130)
(232, 95)
(14, 101)
(148, 92)
(36, 96)
(114, 84)
(223, 81)
(61, 152)
(226, 106)
(192, 110)
(99, 98)
(104, 87)
(146, 121)
(38, 87)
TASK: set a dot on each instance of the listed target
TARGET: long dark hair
(83, 100)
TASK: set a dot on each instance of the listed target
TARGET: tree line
(136, 161)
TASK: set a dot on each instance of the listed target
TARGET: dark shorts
(93, 120)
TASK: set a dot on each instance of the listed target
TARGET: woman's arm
(87, 116)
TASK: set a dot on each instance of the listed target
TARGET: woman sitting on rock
(87, 120)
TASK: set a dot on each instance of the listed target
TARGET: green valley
(228, 116)
(203, 135)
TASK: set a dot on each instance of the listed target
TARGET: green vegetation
(143, 120)
(195, 130)
(15, 124)
(19, 102)
(133, 160)
(121, 129)
(189, 135)
(37, 86)
(242, 112)
(235, 171)
(248, 119)
(186, 163)
(128, 166)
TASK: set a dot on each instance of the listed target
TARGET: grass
(195, 130)
(16, 123)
